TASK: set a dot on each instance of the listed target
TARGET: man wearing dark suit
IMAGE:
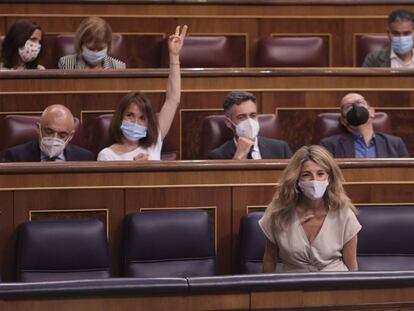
(240, 109)
(361, 141)
(399, 54)
(56, 129)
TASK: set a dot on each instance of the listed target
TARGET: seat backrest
(19, 129)
(101, 138)
(62, 250)
(168, 244)
(328, 124)
(366, 44)
(214, 131)
(385, 240)
(65, 45)
(252, 244)
(209, 51)
(292, 52)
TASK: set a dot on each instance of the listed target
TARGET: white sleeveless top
(154, 152)
(324, 253)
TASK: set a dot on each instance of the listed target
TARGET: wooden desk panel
(226, 189)
(297, 95)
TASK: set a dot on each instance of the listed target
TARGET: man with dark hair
(361, 141)
(240, 109)
(400, 52)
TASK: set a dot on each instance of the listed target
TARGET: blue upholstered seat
(168, 244)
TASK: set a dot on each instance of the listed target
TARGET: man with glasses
(400, 52)
(361, 141)
(56, 129)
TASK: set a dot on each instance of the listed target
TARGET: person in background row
(361, 141)
(22, 47)
(56, 129)
(310, 223)
(400, 52)
(240, 109)
(93, 41)
(135, 128)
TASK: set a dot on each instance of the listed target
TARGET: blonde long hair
(288, 195)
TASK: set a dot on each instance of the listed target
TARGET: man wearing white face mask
(240, 109)
(56, 129)
(400, 52)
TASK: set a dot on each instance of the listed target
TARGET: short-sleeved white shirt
(154, 152)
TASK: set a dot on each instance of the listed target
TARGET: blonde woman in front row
(311, 223)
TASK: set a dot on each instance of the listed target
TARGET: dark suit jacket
(380, 58)
(387, 146)
(269, 149)
(30, 152)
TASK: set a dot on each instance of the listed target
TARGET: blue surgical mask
(133, 131)
(402, 45)
(92, 57)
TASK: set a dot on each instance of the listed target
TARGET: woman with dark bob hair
(22, 46)
(135, 128)
(311, 223)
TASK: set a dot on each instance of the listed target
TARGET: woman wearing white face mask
(311, 224)
(136, 130)
(22, 47)
(93, 42)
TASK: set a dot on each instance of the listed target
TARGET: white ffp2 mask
(248, 128)
(313, 189)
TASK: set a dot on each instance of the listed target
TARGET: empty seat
(369, 43)
(214, 131)
(168, 244)
(252, 244)
(292, 52)
(385, 240)
(210, 51)
(19, 129)
(328, 124)
(65, 45)
(101, 138)
(62, 250)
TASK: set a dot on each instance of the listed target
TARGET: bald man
(56, 129)
(361, 141)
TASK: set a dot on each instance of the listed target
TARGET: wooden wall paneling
(6, 235)
(144, 50)
(246, 199)
(306, 26)
(261, 8)
(370, 24)
(67, 200)
(30, 102)
(190, 128)
(364, 193)
(3, 26)
(188, 197)
(347, 299)
(297, 125)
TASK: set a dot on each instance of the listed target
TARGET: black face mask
(358, 115)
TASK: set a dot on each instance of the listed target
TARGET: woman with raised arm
(135, 128)
(310, 224)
